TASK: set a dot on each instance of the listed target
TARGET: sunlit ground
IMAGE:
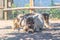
(7, 33)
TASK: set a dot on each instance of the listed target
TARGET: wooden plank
(28, 8)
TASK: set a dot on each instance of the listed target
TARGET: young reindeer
(36, 21)
(39, 21)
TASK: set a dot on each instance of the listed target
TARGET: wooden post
(31, 5)
(5, 12)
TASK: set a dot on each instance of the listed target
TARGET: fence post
(5, 12)
(31, 5)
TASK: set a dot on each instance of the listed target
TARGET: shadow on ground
(37, 35)
(7, 27)
(55, 26)
(33, 36)
(30, 36)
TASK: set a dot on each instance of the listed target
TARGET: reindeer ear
(35, 17)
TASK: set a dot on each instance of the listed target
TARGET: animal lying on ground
(33, 21)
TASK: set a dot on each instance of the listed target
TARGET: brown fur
(16, 23)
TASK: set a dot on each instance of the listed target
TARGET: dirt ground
(7, 33)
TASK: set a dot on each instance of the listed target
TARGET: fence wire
(54, 13)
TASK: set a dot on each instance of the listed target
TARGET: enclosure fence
(54, 11)
(10, 12)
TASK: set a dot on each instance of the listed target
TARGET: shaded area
(46, 34)
(7, 27)
(55, 24)
(34, 36)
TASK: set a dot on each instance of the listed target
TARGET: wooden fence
(27, 8)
